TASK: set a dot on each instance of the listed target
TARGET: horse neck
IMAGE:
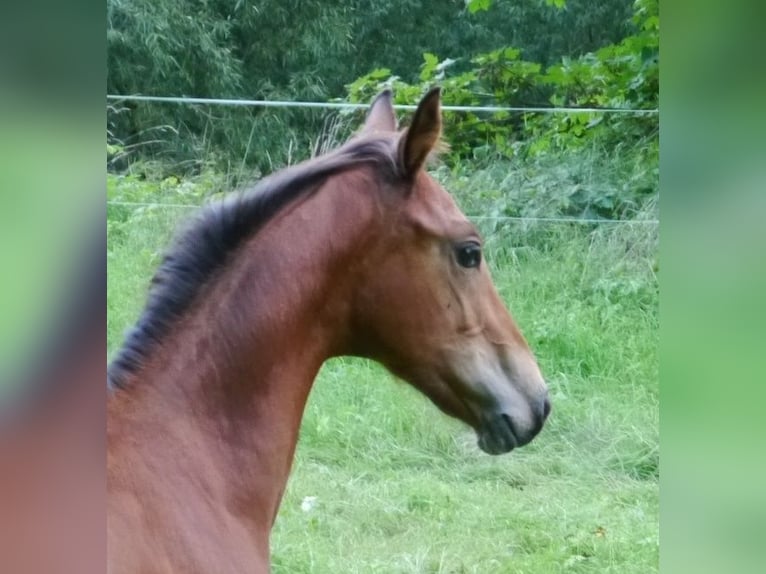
(233, 378)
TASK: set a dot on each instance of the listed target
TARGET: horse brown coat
(359, 252)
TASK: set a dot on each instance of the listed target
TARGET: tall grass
(383, 482)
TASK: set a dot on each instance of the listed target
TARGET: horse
(358, 252)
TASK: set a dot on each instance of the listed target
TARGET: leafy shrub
(622, 75)
(268, 49)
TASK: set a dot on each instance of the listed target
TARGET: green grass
(401, 488)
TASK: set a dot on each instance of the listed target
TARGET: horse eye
(468, 254)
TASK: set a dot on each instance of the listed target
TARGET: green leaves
(429, 67)
(477, 5)
(621, 75)
(268, 50)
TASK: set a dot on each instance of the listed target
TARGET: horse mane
(208, 243)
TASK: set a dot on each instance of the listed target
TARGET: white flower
(308, 503)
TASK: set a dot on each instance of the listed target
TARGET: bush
(623, 75)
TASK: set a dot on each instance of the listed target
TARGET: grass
(383, 482)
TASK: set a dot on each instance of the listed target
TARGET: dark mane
(207, 244)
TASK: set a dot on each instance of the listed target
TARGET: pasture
(384, 483)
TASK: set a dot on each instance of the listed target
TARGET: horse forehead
(435, 201)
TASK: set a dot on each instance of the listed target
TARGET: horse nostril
(540, 411)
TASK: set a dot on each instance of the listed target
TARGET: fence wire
(349, 106)
(580, 220)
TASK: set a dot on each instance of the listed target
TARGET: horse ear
(423, 134)
(381, 116)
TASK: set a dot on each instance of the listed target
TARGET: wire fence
(350, 106)
(576, 220)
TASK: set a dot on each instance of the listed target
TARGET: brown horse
(359, 252)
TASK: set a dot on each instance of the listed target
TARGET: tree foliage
(624, 75)
(311, 49)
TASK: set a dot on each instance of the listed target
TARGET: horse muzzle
(498, 434)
